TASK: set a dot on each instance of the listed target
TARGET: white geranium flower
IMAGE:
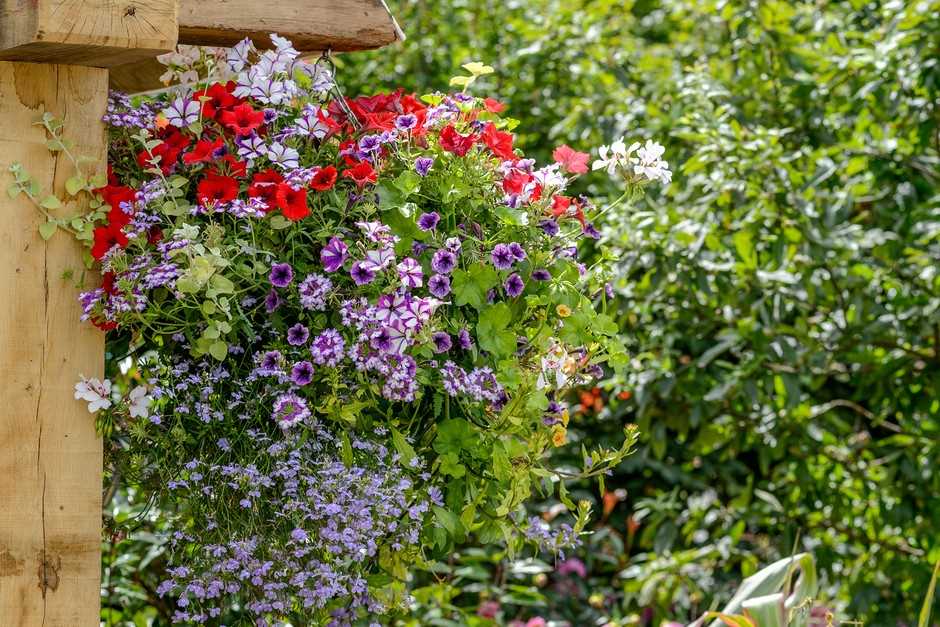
(138, 402)
(648, 164)
(645, 165)
(96, 392)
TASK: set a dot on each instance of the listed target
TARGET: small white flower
(96, 392)
(645, 165)
(138, 402)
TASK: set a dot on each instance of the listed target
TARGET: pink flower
(488, 609)
(571, 160)
(573, 565)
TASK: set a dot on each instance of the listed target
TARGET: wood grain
(99, 33)
(50, 465)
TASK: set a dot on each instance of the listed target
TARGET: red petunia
(114, 195)
(454, 142)
(292, 202)
(216, 189)
(106, 238)
(361, 173)
(229, 165)
(205, 151)
(571, 160)
(492, 105)
(324, 179)
(217, 98)
(499, 142)
(243, 119)
(264, 185)
(515, 181)
(168, 151)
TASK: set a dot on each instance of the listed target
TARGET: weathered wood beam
(108, 33)
(99, 33)
(50, 465)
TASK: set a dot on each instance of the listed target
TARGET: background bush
(781, 300)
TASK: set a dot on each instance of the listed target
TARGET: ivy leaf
(74, 184)
(50, 202)
(47, 229)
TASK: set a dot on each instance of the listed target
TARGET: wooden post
(50, 457)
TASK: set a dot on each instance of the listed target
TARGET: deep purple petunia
(423, 165)
(297, 335)
(301, 373)
(442, 342)
(362, 273)
(272, 301)
(514, 285)
(428, 221)
(464, 339)
(502, 257)
(333, 254)
(589, 230)
(541, 274)
(381, 340)
(281, 275)
(406, 122)
(517, 251)
(550, 227)
(270, 361)
(439, 285)
(443, 261)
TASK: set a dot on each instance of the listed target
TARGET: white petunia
(96, 392)
(138, 402)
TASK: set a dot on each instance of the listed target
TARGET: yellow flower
(563, 311)
(559, 435)
(565, 416)
(477, 69)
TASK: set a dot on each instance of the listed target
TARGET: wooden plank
(97, 33)
(342, 25)
(50, 467)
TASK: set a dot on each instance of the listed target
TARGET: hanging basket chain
(326, 61)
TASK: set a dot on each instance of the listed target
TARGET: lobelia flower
(281, 275)
(139, 402)
(513, 285)
(334, 254)
(96, 392)
(409, 271)
(423, 165)
(428, 221)
(502, 257)
(297, 335)
(444, 261)
(439, 285)
(301, 373)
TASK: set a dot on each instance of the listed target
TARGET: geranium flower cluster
(318, 279)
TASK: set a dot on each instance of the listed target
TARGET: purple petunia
(550, 227)
(362, 273)
(281, 275)
(444, 261)
(502, 257)
(452, 244)
(423, 165)
(381, 340)
(406, 122)
(333, 254)
(439, 285)
(289, 409)
(513, 285)
(589, 230)
(409, 271)
(541, 275)
(464, 339)
(428, 221)
(297, 335)
(272, 301)
(517, 251)
(301, 373)
(442, 342)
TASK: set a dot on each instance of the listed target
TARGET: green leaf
(491, 330)
(47, 229)
(74, 184)
(404, 449)
(50, 202)
(924, 619)
(408, 183)
(454, 435)
(218, 349)
(14, 190)
(470, 286)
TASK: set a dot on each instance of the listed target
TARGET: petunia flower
(242, 119)
(442, 342)
(514, 285)
(571, 160)
(362, 273)
(281, 275)
(96, 392)
(500, 142)
(324, 179)
(444, 261)
(297, 335)
(409, 271)
(215, 189)
(502, 257)
(181, 113)
(333, 254)
(439, 285)
(301, 373)
(292, 202)
(429, 221)
(452, 141)
(361, 174)
(423, 165)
